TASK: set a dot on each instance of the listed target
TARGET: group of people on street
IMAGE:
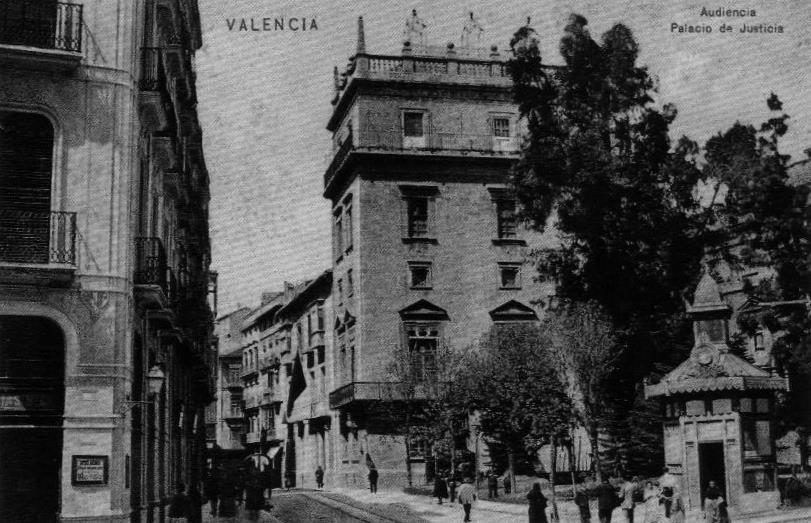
(660, 499)
(225, 492)
(447, 485)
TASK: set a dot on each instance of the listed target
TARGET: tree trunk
(408, 446)
(553, 465)
(570, 450)
(511, 468)
(595, 452)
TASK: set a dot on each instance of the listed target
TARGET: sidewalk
(427, 508)
(485, 511)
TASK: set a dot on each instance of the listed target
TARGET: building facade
(227, 415)
(310, 439)
(426, 246)
(103, 259)
(719, 408)
(274, 378)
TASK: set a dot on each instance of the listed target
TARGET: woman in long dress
(651, 498)
(537, 505)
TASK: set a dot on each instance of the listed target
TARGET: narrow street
(292, 507)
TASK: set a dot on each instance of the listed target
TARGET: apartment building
(104, 255)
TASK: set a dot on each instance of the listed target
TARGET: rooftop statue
(471, 30)
(415, 28)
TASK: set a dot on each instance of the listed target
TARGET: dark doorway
(711, 467)
(32, 385)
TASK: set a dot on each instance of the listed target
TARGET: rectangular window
(413, 124)
(422, 347)
(347, 224)
(350, 284)
(340, 287)
(501, 127)
(350, 337)
(339, 234)
(417, 209)
(507, 220)
(419, 275)
(756, 437)
(509, 275)
(320, 317)
(758, 340)
(758, 480)
(418, 448)
(714, 329)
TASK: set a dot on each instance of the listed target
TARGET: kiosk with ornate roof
(719, 414)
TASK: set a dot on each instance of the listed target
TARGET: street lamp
(155, 379)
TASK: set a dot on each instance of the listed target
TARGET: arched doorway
(26, 157)
(32, 385)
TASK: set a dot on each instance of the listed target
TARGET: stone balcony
(378, 391)
(429, 65)
(435, 142)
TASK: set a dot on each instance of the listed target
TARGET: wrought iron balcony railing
(38, 237)
(150, 263)
(45, 25)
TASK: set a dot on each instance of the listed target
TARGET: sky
(264, 100)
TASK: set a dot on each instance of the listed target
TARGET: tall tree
(585, 356)
(765, 217)
(598, 163)
(428, 380)
(519, 399)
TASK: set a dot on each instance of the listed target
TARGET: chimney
(361, 37)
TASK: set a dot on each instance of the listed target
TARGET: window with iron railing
(507, 220)
(501, 127)
(417, 209)
(42, 24)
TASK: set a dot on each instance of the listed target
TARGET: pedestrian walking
(227, 507)
(607, 501)
(508, 486)
(651, 499)
(373, 480)
(668, 483)
(629, 489)
(319, 477)
(179, 505)
(440, 489)
(254, 496)
(715, 506)
(211, 491)
(581, 499)
(537, 505)
(467, 495)
(452, 487)
(195, 514)
(492, 485)
(677, 514)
